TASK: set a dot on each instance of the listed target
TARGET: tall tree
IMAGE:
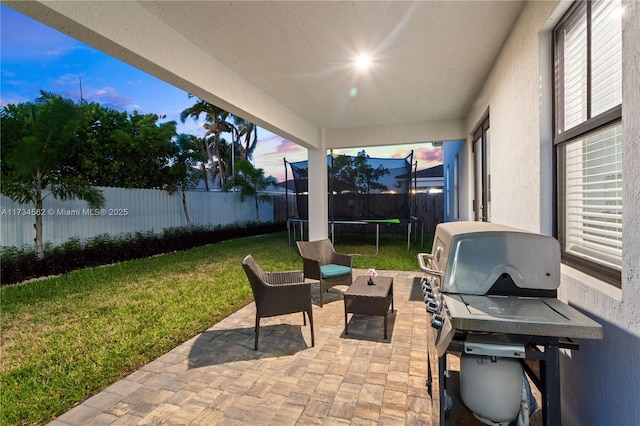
(215, 124)
(184, 172)
(203, 157)
(245, 136)
(38, 139)
(123, 150)
(225, 162)
(355, 174)
(367, 177)
(252, 183)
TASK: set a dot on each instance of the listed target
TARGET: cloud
(8, 74)
(272, 149)
(190, 127)
(63, 50)
(65, 80)
(109, 97)
(274, 144)
(428, 157)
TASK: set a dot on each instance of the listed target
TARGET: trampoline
(362, 191)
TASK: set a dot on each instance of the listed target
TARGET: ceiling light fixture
(363, 62)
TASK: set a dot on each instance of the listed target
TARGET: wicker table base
(364, 299)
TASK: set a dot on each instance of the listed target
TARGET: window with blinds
(593, 181)
(588, 137)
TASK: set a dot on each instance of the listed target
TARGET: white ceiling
(287, 65)
(431, 57)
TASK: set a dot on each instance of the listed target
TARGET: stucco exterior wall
(600, 383)
(512, 96)
(631, 163)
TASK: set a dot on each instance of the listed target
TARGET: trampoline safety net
(361, 188)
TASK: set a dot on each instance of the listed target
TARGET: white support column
(318, 187)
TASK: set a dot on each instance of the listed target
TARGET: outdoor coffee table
(364, 299)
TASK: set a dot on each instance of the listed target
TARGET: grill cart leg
(551, 414)
(442, 385)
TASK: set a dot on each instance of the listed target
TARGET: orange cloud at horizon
(271, 151)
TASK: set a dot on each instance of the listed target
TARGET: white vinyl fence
(125, 210)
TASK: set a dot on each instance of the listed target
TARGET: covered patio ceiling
(289, 66)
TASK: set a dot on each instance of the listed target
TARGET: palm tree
(37, 139)
(226, 160)
(202, 156)
(184, 171)
(252, 183)
(215, 124)
(246, 136)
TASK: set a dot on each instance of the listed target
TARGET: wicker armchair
(278, 293)
(322, 263)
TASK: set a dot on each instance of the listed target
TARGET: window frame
(482, 187)
(589, 126)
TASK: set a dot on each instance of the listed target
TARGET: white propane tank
(491, 387)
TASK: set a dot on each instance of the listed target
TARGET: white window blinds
(593, 187)
(575, 71)
(606, 54)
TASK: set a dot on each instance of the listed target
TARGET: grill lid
(474, 257)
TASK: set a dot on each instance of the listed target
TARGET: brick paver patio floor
(217, 377)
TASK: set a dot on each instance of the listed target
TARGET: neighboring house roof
(436, 171)
(431, 172)
(289, 185)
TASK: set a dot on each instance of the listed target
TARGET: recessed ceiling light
(363, 62)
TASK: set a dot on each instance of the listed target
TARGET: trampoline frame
(293, 220)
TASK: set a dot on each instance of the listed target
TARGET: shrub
(18, 265)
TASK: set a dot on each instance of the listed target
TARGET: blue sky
(34, 57)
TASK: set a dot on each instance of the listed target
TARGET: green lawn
(66, 338)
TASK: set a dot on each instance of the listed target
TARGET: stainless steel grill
(491, 291)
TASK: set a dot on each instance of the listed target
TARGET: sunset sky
(34, 57)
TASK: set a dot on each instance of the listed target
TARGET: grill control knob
(437, 322)
(432, 308)
(429, 299)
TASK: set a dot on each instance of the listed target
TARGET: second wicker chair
(321, 262)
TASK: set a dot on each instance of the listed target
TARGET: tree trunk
(184, 207)
(221, 171)
(244, 155)
(186, 211)
(203, 169)
(210, 154)
(257, 209)
(38, 225)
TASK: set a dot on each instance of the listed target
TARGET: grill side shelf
(550, 317)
